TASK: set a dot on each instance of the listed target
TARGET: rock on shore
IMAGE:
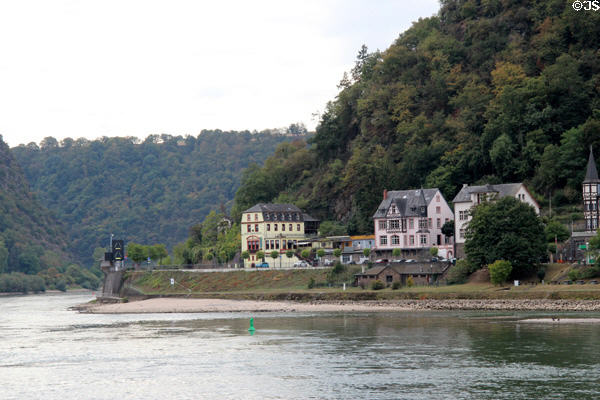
(186, 305)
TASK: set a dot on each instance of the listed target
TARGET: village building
(412, 220)
(420, 273)
(470, 196)
(575, 250)
(275, 227)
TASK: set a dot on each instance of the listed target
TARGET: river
(50, 352)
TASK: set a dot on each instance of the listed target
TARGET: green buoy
(251, 329)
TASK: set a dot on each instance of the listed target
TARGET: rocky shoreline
(187, 305)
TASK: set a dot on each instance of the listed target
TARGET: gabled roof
(278, 212)
(503, 189)
(407, 202)
(591, 173)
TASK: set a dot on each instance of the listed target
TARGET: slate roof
(504, 189)
(591, 173)
(408, 202)
(278, 212)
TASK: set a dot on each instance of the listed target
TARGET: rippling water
(49, 352)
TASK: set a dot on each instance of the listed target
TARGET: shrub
(61, 285)
(499, 271)
(377, 285)
(311, 283)
(541, 273)
(410, 282)
(433, 251)
(589, 272)
(305, 253)
(289, 253)
(573, 274)
(338, 268)
(396, 285)
(396, 252)
(459, 273)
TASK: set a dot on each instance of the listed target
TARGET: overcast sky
(71, 68)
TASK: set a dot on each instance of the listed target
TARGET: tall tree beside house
(506, 230)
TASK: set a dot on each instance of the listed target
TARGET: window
(383, 240)
(423, 239)
(389, 278)
(403, 224)
(290, 228)
(275, 227)
(253, 244)
(405, 240)
(267, 245)
(395, 239)
(429, 223)
(295, 244)
(463, 215)
(437, 198)
(462, 233)
(298, 227)
(422, 223)
(256, 217)
(393, 209)
(249, 217)
(268, 227)
(411, 223)
(277, 244)
(395, 224)
(446, 239)
(439, 222)
(256, 228)
(272, 244)
(249, 228)
(283, 227)
(382, 224)
(412, 240)
(438, 210)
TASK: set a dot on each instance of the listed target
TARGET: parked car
(301, 264)
(328, 263)
(580, 282)
(262, 265)
(399, 260)
(381, 261)
(351, 262)
(594, 282)
(434, 259)
(410, 260)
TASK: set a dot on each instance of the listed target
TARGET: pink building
(412, 220)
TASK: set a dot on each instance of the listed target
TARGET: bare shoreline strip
(185, 305)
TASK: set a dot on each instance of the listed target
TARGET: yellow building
(274, 227)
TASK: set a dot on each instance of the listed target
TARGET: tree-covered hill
(486, 91)
(148, 191)
(30, 238)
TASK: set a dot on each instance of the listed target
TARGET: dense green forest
(30, 237)
(485, 91)
(146, 191)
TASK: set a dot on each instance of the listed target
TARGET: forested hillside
(149, 191)
(30, 239)
(486, 91)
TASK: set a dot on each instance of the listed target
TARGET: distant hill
(494, 91)
(146, 191)
(30, 238)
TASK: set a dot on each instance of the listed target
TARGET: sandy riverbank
(185, 305)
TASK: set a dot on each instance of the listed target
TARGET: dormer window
(393, 210)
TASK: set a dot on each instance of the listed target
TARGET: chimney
(385, 194)
(465, 185)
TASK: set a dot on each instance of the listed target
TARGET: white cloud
(116, 68)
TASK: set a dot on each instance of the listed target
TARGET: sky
(74, 68)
